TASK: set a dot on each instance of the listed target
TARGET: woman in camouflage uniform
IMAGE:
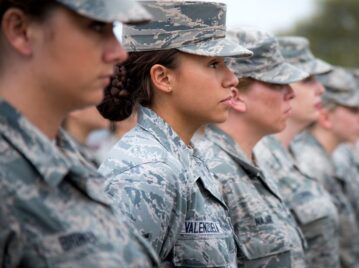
(338, 122)
(268, 235)
(307, 199)
(176, 72)
(57, 56)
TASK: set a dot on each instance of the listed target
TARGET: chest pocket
(262, 234)
(264, 245)
(206, 238)
(312, 211)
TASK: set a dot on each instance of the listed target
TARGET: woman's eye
(97, 26)
(214, 65)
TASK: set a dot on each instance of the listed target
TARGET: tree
(333, 32)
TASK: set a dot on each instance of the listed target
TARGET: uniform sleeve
(155, 199)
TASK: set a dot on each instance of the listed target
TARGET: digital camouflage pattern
(296, 51)
(347, 168)
(170, 195)
(53, 211)
(126, 11)
(194, 27)
(308, 201)
(266, 64)
(316, 163)
(340, 88)
(268, 235)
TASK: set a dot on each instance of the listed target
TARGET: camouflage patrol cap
(267, 64)
(295, 50)
(126, 11)
(193, 27)
(340, 88)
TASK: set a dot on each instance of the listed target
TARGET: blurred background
(332, 26)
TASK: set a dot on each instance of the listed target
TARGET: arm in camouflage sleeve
(154, 198)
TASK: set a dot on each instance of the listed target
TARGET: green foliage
(333, 31)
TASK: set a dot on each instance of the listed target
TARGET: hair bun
(117, 103)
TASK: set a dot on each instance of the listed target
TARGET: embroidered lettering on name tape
(264, 220)
(75, 240)
(201, 227)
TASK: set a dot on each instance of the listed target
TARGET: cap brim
(351, 100)
(315, 67)
(221, 47)
(125, 11)
(283, 73)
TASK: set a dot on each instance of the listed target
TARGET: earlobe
(15, 27)
(324, 118)
(161, 78)
(238, 102)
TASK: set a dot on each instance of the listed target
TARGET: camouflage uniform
(153, 176)
(314, 161)
(268, 235)
(170, 195)
(53, 212)
(308, 201)
(347, 168)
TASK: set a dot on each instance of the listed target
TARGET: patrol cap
(126, 11)
(295, 50)
(340, 88)
(194, 27)
(267, 64)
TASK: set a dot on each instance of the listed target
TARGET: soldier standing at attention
(56, 57)
(346, 159)
(338, 122)
(307, 199)
(176, 72)
(267, 233)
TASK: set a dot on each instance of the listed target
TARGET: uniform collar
(164, 134)
(52, 160)
(231, 147)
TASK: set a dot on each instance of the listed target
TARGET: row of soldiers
(234, 161)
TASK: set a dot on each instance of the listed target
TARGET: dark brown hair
(131, 83)
(244, 83)
(37, 9)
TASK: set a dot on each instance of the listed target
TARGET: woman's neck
(243, 133)
(184, 128)
(290, 131)
(77, 131)
(326, 138)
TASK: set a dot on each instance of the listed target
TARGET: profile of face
(266, 106)
(201, 88)
(69, 55)
(307, 101)
(343, 122)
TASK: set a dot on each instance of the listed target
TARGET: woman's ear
(161, 78)
(238, 101)
(15, 27)
(324, 118)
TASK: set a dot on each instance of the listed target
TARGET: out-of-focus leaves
(333, 31)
